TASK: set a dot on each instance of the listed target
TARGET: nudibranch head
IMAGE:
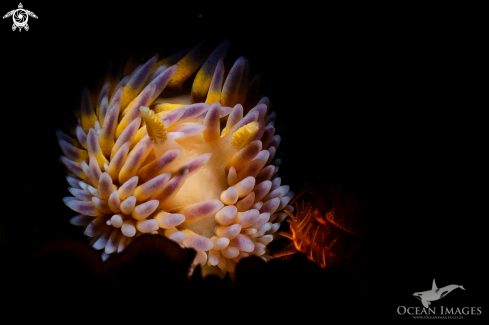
(196, 166)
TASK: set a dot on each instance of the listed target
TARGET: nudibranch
(196, 166)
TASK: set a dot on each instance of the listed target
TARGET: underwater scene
(197, 162)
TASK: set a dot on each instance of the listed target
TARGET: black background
(382, 100)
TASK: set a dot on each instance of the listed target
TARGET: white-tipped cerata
(200, 168)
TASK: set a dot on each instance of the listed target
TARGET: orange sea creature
(328, 229)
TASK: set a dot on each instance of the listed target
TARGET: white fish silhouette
(435, 293)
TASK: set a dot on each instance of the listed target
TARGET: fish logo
(435, 293)
(20, 17)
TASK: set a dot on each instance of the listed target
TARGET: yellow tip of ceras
(243, 136)
(155, 127)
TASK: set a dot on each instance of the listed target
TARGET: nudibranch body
(198, 168)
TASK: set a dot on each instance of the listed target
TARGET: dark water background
(384, 101)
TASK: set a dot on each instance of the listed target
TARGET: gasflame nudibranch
(195, 165)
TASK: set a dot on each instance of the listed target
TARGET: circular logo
(20, 17)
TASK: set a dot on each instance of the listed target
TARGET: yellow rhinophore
(244, 135)
(154, 126)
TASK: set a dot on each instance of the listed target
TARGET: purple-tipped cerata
(195, 165)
